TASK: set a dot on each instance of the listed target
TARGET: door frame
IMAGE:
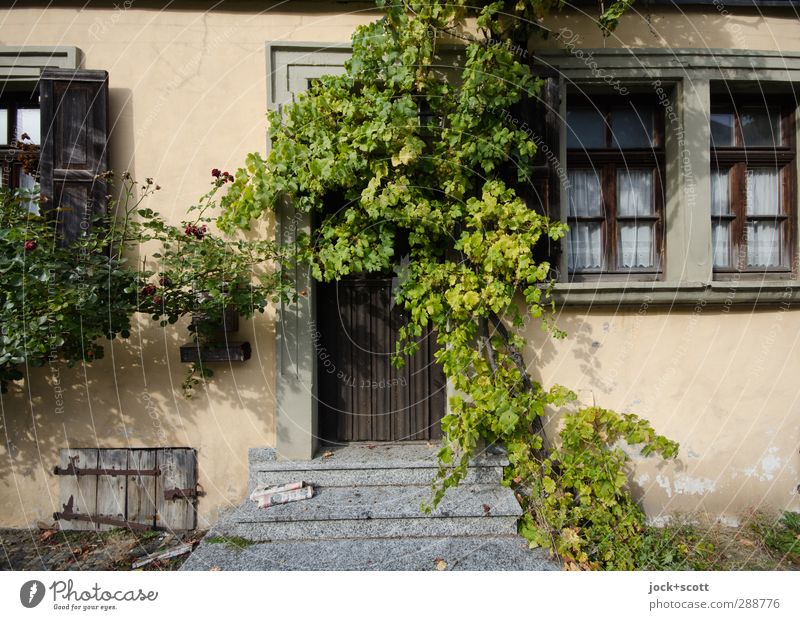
(290, 68)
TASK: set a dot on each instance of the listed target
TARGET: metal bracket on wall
(67, 513)
(172, 494)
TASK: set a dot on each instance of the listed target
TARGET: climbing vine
(411, 165)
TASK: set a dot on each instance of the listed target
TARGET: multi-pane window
(752, 186)
(615, 161)
(19, 125)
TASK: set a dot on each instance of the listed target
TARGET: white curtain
(763, 191)
(28, 123)
(763, 244)
(721, 244)
(584, 239)
(636, 245)
(635, 198)
(720, 193)
(3, 128)
(763, 198)
(720, 230)
(28, 184)
(585, 197)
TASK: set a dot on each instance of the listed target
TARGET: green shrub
(580, 505)
(58, 302)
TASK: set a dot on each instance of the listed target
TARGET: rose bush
(59, 303)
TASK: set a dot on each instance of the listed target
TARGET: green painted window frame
(685, 77)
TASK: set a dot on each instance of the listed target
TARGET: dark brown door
(362, 396)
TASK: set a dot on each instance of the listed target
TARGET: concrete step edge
(371, 528)
(355, 466)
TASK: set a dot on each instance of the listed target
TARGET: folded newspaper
(292, 492)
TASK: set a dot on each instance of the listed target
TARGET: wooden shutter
(131, 487)
(549, 174)
(74, 116)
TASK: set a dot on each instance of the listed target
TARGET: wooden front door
(362, 396)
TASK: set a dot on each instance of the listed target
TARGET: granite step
(417, 554)
(266, 475)
(378, 512)
(369, 456)
(368, 465)
(354, 529)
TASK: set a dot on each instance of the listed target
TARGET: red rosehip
(193, 230)
(30, 245)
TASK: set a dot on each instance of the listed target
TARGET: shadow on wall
(715, 378)
(122, 141)
(228, 6)
(132, 399)
(713, 26)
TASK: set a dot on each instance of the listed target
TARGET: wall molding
(25, 63)
(709, 64)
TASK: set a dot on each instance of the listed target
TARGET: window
(19, 125)
(64, 112)
(615, 162)
(752, 187)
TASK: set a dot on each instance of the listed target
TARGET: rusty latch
(170, 494)
(74, 470)
(69, 514)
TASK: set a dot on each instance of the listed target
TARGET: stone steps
(354, 477)
(417, 554)
(368, 465)
(366, 514)
(378, 512)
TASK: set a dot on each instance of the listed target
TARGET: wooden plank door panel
(178, 471)
(111, 490)
(142, 489)
(361, 337)
(82, 489)
(370, 399)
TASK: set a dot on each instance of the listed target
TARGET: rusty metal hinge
(171, 494)
(68, 513)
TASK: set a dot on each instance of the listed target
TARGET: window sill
(676, 293)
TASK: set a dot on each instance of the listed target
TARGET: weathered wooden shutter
(135, 488)
(74, 117)
(549, 173)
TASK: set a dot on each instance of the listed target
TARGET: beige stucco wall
(188, 93)
(715, 27)
(723, 383)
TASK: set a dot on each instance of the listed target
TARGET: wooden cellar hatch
(137, 488)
